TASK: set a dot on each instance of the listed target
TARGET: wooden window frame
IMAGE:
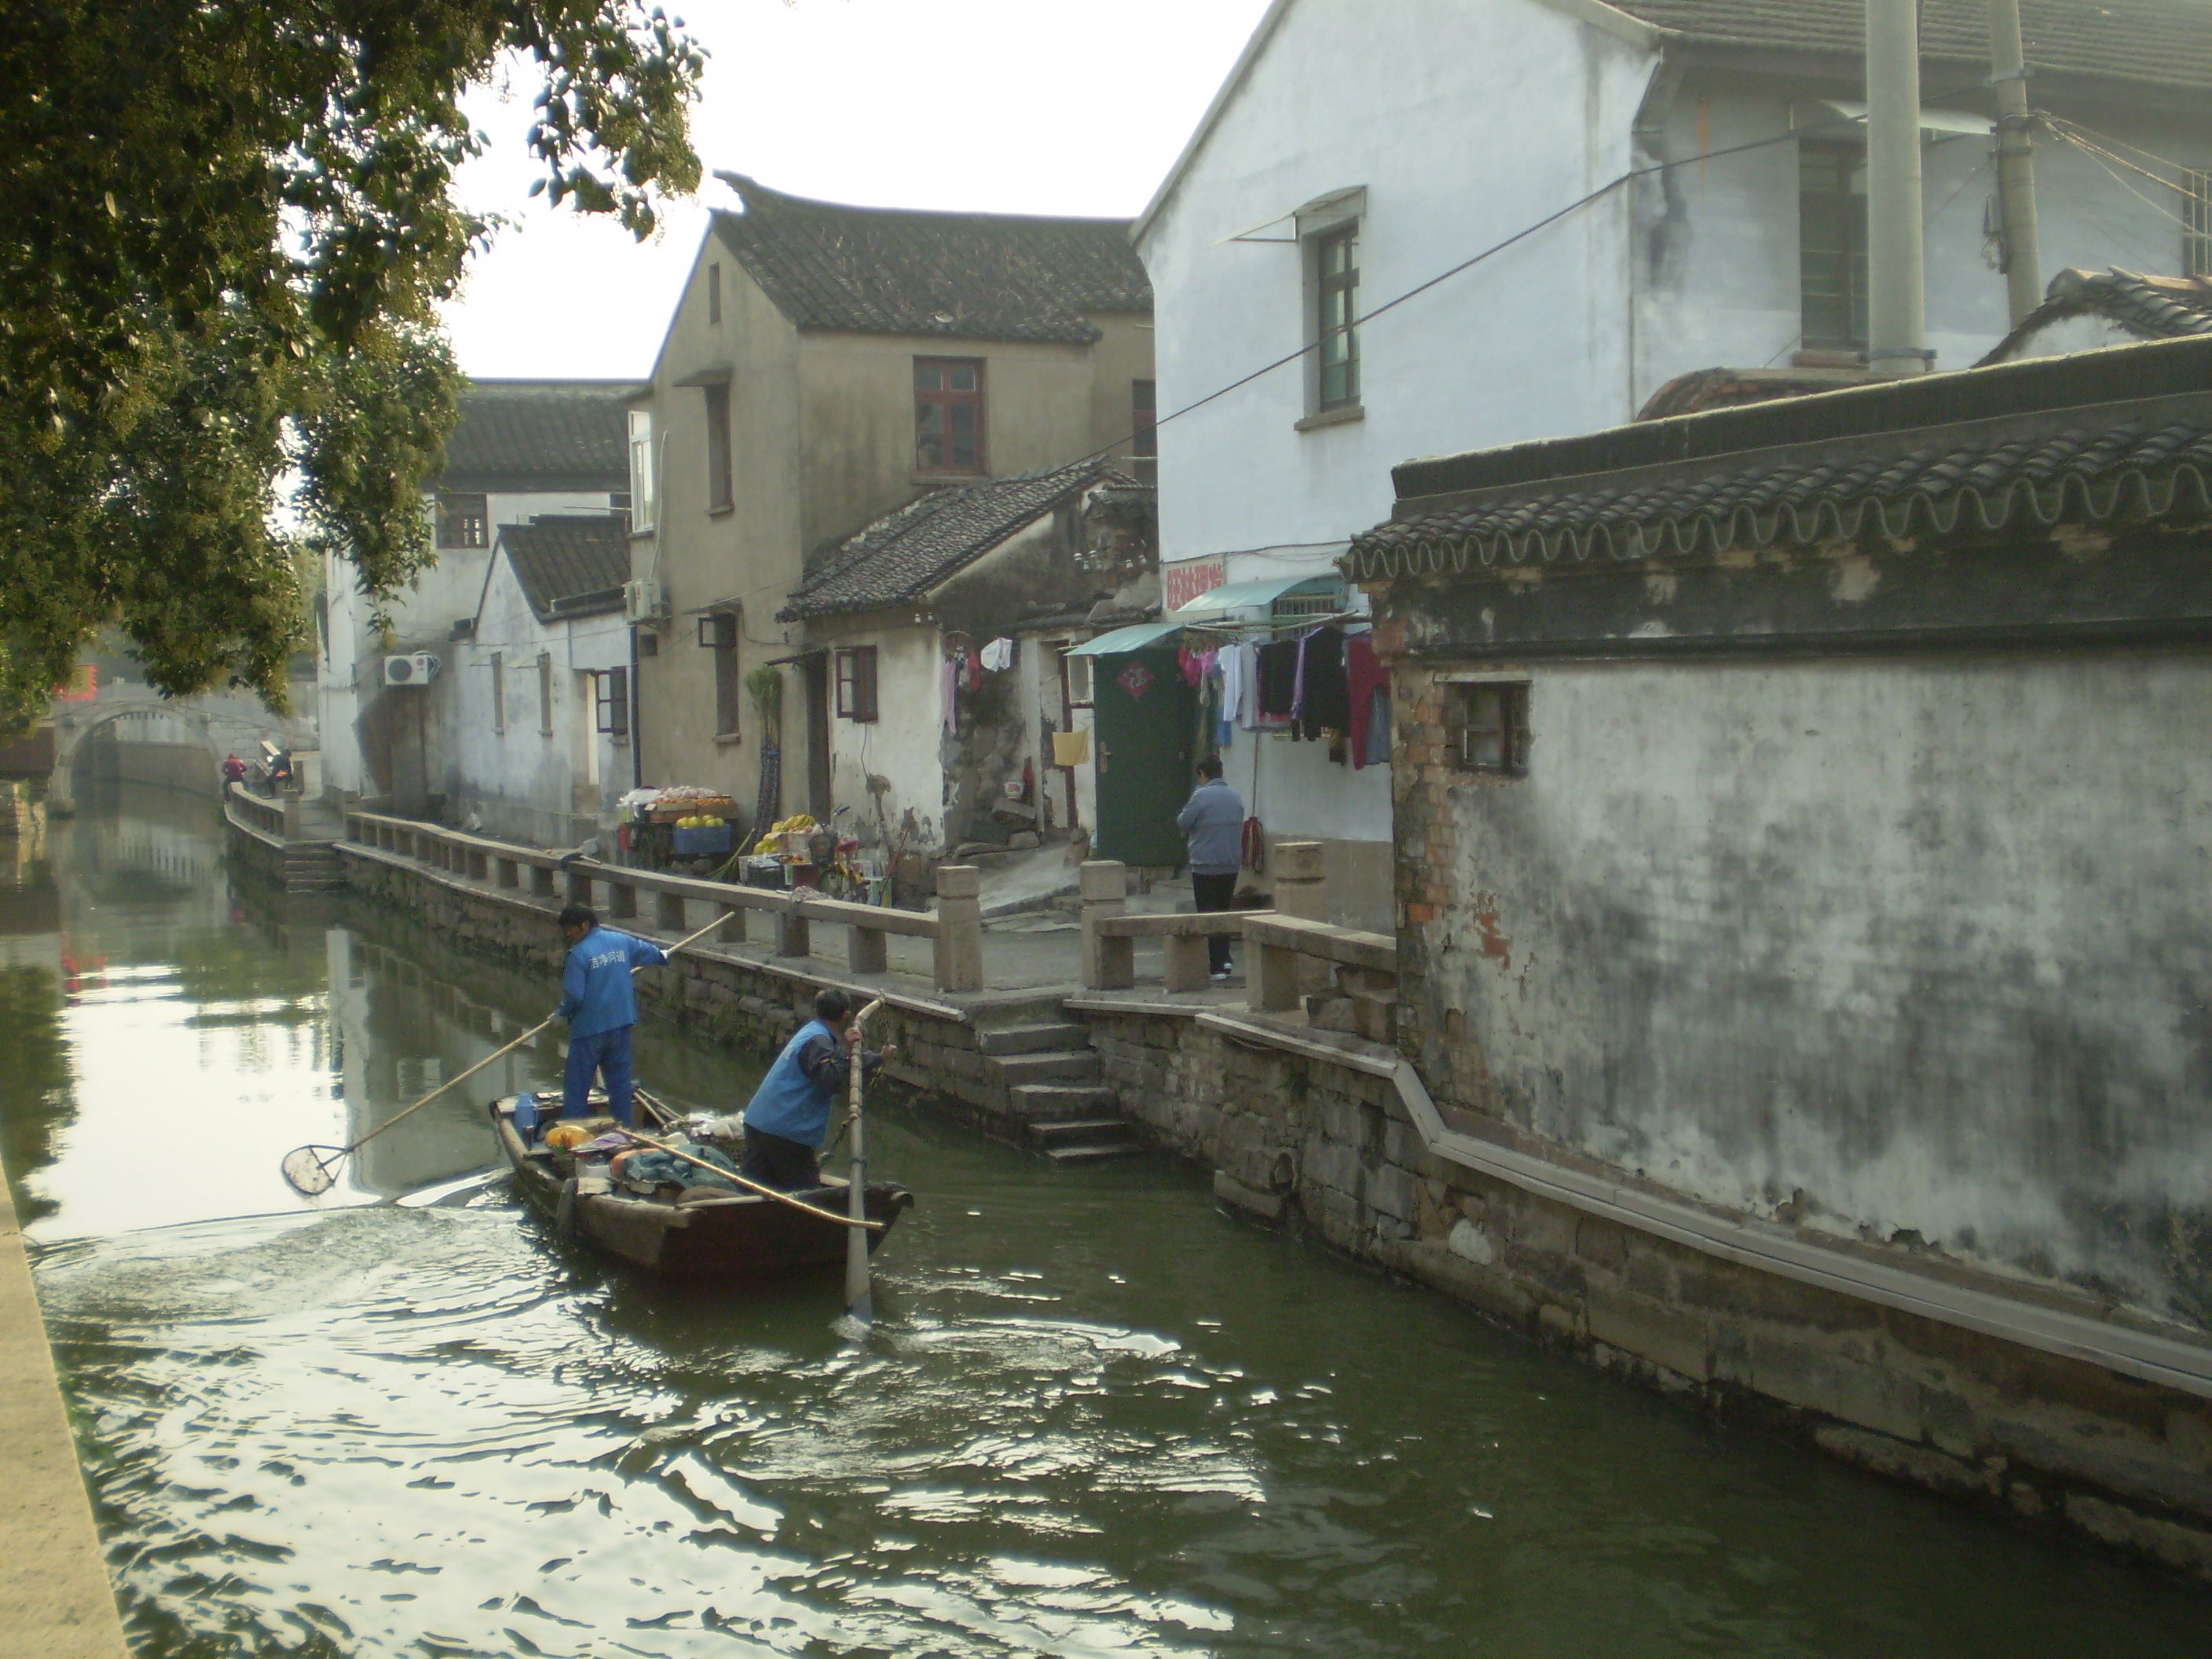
(858, 686)
(459, 528)
(944, 399)
(545, 694)
(1333, 292)
(1818, 212)
(1492, 741)
(721, 493)
(718, 632)
(610, 702)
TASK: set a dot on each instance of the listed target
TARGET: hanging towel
(974, 670)
(1276, 682)
(1370, 685)
(1325, 700)
(1232, 684)
(999, 655)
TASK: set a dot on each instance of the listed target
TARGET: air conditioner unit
(415, 668)
(644, 602)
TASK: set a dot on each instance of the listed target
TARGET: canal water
(1095, 1416)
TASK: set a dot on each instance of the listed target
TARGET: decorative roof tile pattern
(2165, 43)
(1924, 476)
(572, 434)
(959, 275)
(2148, 308)
(569, 564)
(904, 554)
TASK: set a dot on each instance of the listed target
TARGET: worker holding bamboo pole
(788, 1118)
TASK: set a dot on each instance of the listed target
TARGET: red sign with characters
(1185, 582)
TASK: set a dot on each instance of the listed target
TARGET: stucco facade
(1446, 128)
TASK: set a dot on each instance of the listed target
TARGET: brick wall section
(1327, 1149)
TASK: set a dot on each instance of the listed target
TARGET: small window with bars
(2195, 222)
(463, 520)
(856, 682)
(1487, 727)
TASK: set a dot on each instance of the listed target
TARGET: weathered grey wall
(1904, 950)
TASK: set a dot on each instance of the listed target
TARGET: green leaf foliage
(233, 224)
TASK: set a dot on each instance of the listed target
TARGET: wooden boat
(704, 1233)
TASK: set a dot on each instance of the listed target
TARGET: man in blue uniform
(789, 1116)
(600, 1006)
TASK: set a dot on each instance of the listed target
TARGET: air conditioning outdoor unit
(415, 668)
(644, 602)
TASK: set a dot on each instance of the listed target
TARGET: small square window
(463, 520)
(856, 682)
(1487, 727)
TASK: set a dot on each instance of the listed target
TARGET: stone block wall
(1326, 1148)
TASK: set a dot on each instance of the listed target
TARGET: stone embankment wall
(1329, 1148)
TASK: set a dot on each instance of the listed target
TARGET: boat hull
(737, 1238)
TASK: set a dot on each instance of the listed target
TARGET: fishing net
(308, 1169)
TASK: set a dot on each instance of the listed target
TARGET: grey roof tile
(904, 554)
(964, 276)
(569, 564)
(2156, 42)
(2148, 308)
(560, 434)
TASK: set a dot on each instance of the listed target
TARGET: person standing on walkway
(788, 1118)
(1213, 825)
(600, 1006)
(233, 769)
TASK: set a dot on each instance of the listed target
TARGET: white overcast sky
(1073, 107)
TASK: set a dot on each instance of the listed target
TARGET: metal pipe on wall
(1897, 304)
(2023, 251)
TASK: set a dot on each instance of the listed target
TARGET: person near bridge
(1213, 825)
(234, 770)
(789, 1116)
(597, 1001)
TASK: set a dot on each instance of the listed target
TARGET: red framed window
(948, 414)
(856, 682)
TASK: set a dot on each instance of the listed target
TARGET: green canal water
(1095, 1416)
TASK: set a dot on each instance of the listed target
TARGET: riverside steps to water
(2051, 1412)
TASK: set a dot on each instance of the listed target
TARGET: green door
(1144, 714)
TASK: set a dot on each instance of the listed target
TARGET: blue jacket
(1213, 821)
(595, 988)
(794, 1099)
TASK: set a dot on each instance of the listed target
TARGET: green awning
(1251, 601)
(1144, 637)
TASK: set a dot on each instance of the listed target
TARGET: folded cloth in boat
(649, 1169)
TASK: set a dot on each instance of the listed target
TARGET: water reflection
(1095, 1416)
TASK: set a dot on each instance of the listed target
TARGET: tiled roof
(902, 555)
(2157, 42)
(2148, 308)
(2121, 435)
(569, 564)
(557, 434)
(964, 276)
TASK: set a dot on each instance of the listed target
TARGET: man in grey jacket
(1213, 825)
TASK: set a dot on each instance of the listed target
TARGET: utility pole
(1897, 300)
(2023, 251)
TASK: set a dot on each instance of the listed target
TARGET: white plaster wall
(523, 781)
(901, 745)
(422, 617)
(1918, 942)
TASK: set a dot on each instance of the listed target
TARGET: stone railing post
(1301, 889)
(1108, 964)
(793, 938)
(959, 928)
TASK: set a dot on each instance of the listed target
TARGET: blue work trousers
(605, 1053)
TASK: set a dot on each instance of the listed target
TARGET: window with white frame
(642, 495)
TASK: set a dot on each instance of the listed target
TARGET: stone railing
(1347, 979)
(256, 811)
(679, 904)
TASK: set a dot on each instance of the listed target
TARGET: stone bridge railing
(680, 903)
(1345, 978)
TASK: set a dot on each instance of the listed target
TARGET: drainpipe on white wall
(1897, 302)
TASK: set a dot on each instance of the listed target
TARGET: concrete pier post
(1108, 964)
(1301, 887)
(959, 928)
(668, 911)
(793, 938)
(733, 929)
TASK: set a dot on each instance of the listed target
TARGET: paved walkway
(56, 1602)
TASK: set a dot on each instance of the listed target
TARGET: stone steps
(1089, 1137)
(1069, 1065)
(1059, 1102)
(1057, 1037)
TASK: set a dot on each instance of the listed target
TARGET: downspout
(636, 719)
